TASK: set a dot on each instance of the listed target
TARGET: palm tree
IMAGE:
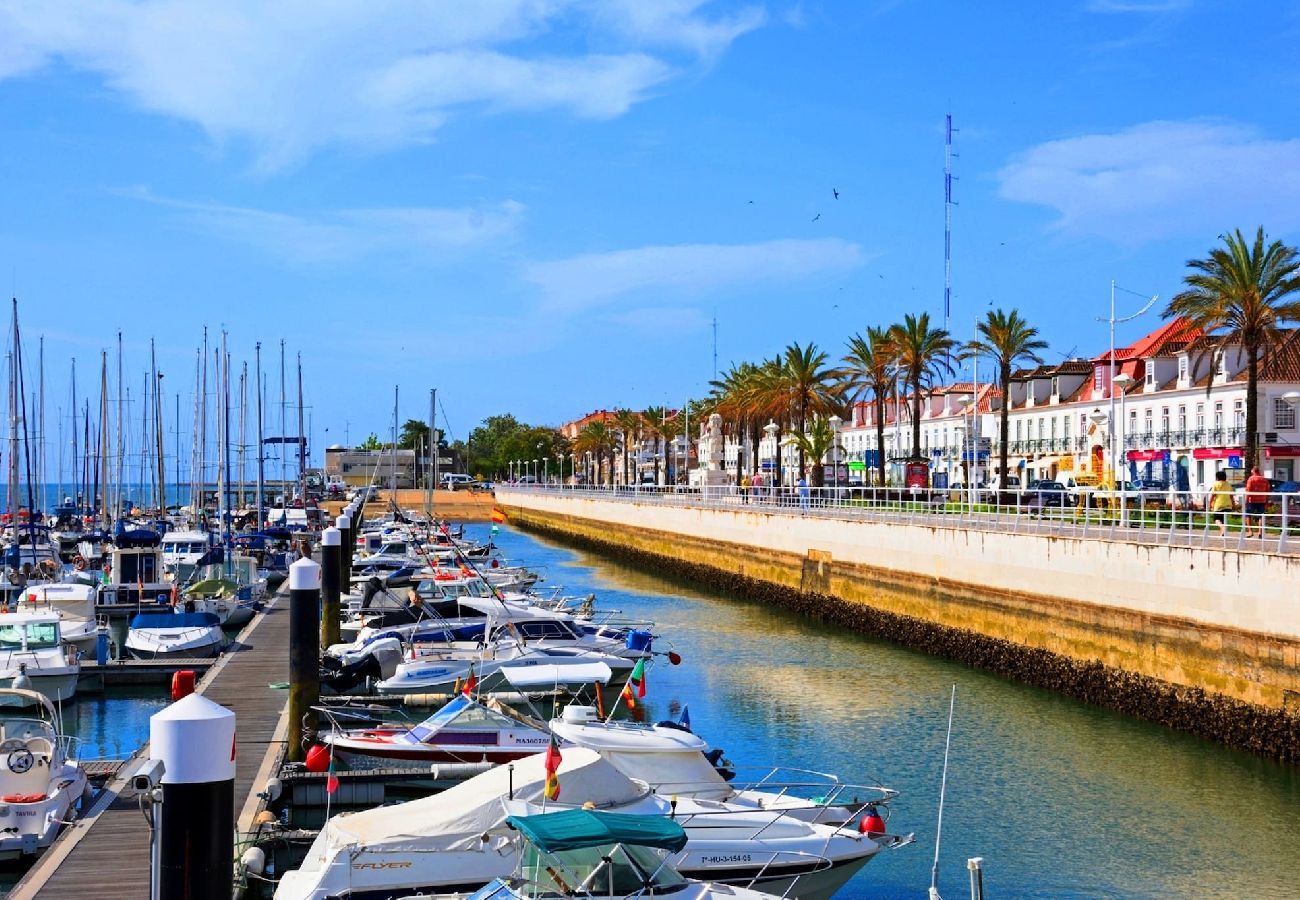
(811, 389)
(816, 443)
(629, 425)
(1007, 339)
(597, 439)
(1240, 293)
(653, 420)
(670, 429)
(870, 366)
(924, 355)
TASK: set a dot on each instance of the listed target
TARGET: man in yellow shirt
(1221, 501)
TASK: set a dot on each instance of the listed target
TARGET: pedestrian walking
(757, 484)
(745, 485)
(803, 492)
(1256, 502)
(1221, 501)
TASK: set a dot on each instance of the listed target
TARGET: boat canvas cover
(575, 829)
(457, 818)
(175, 620)
(544, 675)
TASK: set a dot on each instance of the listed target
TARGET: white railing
(1269, 523)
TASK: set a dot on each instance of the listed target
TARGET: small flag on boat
(498, 515)
(331, 780)
(553, 760)
(470, 683)
(635, 680)
(685, 720)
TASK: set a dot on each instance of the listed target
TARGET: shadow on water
(1060, 798)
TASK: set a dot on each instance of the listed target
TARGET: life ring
(79, 563)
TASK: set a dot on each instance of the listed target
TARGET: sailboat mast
(284, 482)
(302, 442)
(432, 476)
(121, 431)
(225, 438)
(393, 477)
(76, 460)
(41, 462)
(103, 440)
(257, 364)
(158, 429)
(243, 434)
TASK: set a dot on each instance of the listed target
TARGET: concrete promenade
(1217, 620)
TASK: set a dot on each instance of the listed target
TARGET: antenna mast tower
(947, 222)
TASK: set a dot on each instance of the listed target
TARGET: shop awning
(1215, 452)
(1148, 456)
(1290, 451)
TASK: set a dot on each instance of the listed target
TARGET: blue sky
(538, 206)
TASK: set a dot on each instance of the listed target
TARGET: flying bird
(835, 193)
(816, 217)
(751, 201)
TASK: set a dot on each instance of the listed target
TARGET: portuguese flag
(553, 760)
(635, 686)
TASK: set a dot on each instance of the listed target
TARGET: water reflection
(1061, 799)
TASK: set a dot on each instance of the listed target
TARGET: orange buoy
(182, 684)
(318, 758)
(872, 825)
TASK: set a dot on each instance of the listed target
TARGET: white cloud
(1137, 6)
(338, 236)
(1161, 179)
(685, 269)
(292, 76)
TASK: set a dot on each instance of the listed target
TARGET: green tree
(628, 424)
(810, 388)
(816, 442)
(1007, 339)
(870, 367)
(414, 434)
(1240, 293)
(923, 358)
(372, 443)
(598, 439)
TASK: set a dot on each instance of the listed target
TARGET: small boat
(41, 784)
(462, 731)
(458, 840)
(32, 648)
(602, 856)
(181, 635)
(503, 667)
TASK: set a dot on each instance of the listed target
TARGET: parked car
(369, 492)
(1046, 493)
(452, 480)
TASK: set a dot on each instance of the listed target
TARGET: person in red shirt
(1256, 501)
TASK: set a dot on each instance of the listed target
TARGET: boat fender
(79, 563)
(182, 684)
(318, 758)
(253, 861)
(871, 824)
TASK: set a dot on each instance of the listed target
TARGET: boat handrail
(822, 863)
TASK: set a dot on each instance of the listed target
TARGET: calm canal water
(1061, 799)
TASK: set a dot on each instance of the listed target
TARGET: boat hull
(61, 686)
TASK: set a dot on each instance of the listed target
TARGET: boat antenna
(943, 787)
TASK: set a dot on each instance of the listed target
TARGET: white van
(453, 480)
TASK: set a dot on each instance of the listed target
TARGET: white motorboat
(41, 783)
(602, 856)
(174, 635)
(497, 665)
(182, 552)
(465, 730)
(458, 840)
(674, 761)
(32, 648)
(73, 603)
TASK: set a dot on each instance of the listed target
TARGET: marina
(703, 449)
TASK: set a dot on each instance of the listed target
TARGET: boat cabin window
(533, 631)
(478, 589)
(393, 548)
(632, 870)
(40, 635)
(136, 567)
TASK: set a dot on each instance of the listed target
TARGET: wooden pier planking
(107, 854)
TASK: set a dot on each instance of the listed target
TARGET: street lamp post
(1110, 387)
(546, 470)
(836, 423)
(1122, 381)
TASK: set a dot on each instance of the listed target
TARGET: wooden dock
(106, 854)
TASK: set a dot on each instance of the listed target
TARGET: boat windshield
(630, 870)
(39, 635)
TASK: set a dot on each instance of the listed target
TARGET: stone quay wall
(1203, 640)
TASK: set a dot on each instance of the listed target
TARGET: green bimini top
(574, 829)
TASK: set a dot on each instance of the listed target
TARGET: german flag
(553, 760)
(498, 515)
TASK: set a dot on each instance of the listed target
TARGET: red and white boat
(462, 731)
